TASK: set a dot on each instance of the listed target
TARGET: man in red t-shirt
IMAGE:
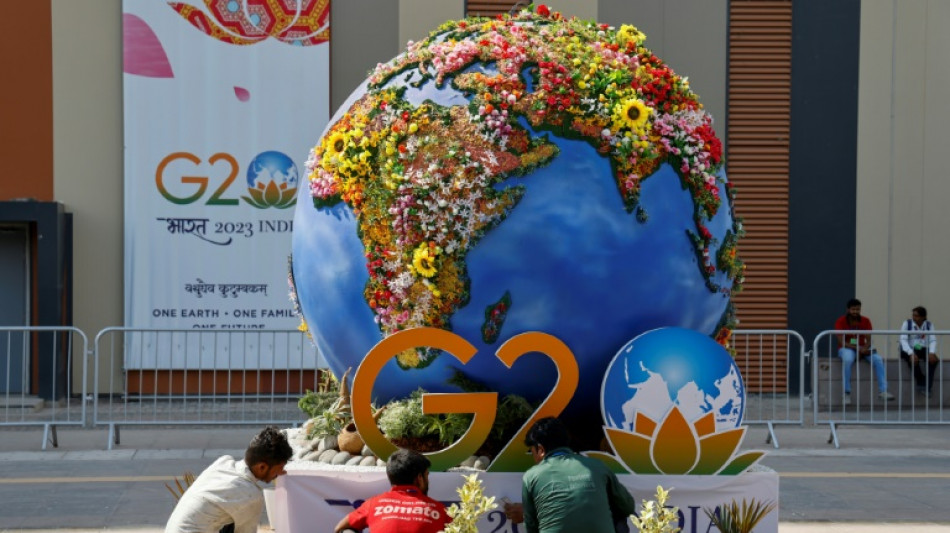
(851, 346)
(406, 508)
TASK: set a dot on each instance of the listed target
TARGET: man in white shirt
(917, 347)
(228, 491)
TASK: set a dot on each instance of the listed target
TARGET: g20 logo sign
(514, 457)
(272, 180)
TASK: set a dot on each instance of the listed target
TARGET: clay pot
(350, 440)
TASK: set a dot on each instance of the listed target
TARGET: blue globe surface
(576, 264)
(672, 366)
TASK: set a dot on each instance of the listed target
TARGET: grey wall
(902, 244)
(87, 155)
(825, 48)
(363, 33)
(418, 18)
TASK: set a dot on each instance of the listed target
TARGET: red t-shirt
(854, 341)
(404, 509)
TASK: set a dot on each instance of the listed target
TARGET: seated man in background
(227, 494)
(406, 508)
(917, 347)
(851, 347)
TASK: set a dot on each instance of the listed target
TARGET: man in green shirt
(566, 492)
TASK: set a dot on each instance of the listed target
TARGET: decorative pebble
(355, 460)
(312, 456)
(470, 462)
(327, 443)
(482, 463)
(380, 462)
(366, 451)
(340, 458)
(368, 461)
(327, 455)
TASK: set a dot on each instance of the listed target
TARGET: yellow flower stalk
(655, 517)
(473, 505)
(627, 34)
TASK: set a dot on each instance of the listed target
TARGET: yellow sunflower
(423, 260)
(336, 143)
(631, 113)
(333, 147)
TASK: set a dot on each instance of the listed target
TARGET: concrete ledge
(33, 403)
(900, 383)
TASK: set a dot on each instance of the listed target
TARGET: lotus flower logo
(677, 447)
(672, 400)
(271, 181)
(243, 22)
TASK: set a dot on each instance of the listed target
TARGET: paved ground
(880, 479)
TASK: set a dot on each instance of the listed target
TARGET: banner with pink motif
(223, 100)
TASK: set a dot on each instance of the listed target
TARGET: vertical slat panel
(760, 44)
(489, 8)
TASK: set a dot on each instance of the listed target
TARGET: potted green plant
(734, 517)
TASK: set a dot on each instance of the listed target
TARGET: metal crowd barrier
(201, 377)
(767, 359)
(863, 405)
(36, 384)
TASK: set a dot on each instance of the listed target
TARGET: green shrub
(315, 403)
(405, 419)
(739, 518)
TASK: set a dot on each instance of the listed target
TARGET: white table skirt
(313, 501)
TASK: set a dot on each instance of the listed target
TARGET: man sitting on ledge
(406, 508)
(851, 346)
(919, 348)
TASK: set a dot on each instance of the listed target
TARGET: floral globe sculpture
(522, 173)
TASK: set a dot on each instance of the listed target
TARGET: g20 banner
(221, 101)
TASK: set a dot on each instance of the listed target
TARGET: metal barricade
(767, 360)
(36, 383)
(866, 404)
(201, 377)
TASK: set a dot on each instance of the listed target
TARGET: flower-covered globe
(524, 173)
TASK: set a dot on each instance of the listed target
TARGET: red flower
(543, 10)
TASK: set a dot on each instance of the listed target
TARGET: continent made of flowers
(424, 180)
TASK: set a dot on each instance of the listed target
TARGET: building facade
(831, 113)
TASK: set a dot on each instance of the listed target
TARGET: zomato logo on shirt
(403, 509)
(399, 509)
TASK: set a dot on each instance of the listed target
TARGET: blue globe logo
(272, 181)
(672, 366)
